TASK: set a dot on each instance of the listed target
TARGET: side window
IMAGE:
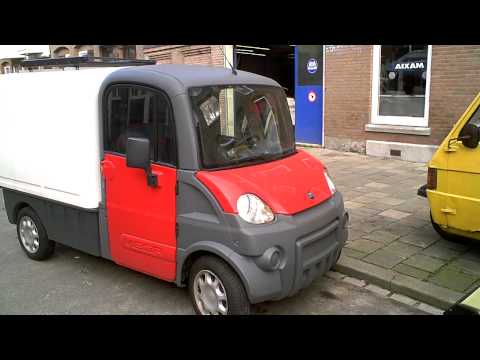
(475, 119)
(136, 111)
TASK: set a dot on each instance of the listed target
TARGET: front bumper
(310, 243)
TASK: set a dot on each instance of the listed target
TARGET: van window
(136, 111)
(475, 119)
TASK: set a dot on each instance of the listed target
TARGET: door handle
(449, 211)
(153, 178)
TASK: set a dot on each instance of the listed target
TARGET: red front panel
(283, 184)
(141, 219)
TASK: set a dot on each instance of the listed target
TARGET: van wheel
(447, 236)
(215, 289)
(32, 235)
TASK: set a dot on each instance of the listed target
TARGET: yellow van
(453, 185)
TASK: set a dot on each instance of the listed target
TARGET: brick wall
(186, 54)
(455, 80)
(347, 96)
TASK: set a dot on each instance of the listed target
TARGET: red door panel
(141, 219)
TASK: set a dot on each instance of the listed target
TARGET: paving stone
(377, 290)
(365, 199)
(377, 194)
(417, 240)
(399, 228)
(401, 249)
(394, 214)
(441, 252)
(334, 275)
(451, 278)
(365, 246)
(382, 236)
(425, 291)
(377, 206)
(413, 222)
(426, 263)
(391, 201)
(354, 281)
(352, 204)
(411, 271)
(353, 253)
(384, 259)
(403, 299)
(467, 265)
(368, 272)
(376, 185)
(451, 245)
(473, 254)
(430, 309)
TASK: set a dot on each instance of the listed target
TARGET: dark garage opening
(274, 61)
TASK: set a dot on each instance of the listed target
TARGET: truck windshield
(242, 124)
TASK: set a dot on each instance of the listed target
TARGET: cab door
(463, 165)
(141, 217)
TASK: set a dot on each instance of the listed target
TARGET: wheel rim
(29, 234)
(210, 294)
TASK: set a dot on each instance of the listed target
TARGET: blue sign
(312, 66)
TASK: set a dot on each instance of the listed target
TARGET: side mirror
(470, 136)
(138, 156)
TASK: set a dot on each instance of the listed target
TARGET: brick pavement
(391, 240)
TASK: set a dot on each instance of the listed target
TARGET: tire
(45, 247)
(237, 302)
(447, 236)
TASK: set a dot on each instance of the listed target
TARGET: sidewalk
(391, 240)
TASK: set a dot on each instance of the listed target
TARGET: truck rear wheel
(32, 235)
(215, 288)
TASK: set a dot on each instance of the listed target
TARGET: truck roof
(175, 79)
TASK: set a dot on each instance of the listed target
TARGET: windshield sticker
(244, 90)
(210, 110)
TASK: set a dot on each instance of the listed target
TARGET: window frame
(105, 125)
(375, 104)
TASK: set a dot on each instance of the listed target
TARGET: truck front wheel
(215, 288)
(32, 235)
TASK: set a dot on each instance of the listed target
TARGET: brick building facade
(454, 82)
(356, 77)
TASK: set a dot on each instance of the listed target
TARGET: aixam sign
(410, 66)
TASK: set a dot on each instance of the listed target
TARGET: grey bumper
(310, 243)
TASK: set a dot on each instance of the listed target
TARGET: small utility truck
(186, 173)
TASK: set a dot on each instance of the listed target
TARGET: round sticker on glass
(312, 96)
(312, 66)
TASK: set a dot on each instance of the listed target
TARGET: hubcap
(210, 294)
(29, 234)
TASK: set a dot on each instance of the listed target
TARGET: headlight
(253, 210)
(330, 183)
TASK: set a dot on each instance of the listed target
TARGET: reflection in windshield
(240, 124)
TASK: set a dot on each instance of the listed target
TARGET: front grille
(315, 254)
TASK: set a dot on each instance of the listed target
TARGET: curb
(401, 284)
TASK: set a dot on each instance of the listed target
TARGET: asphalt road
(71, 282)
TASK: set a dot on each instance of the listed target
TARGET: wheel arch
(205, 248)
(259, 284)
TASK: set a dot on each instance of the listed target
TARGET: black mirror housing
(138, 153)
(470, 136)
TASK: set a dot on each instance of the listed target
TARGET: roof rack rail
(85, 61)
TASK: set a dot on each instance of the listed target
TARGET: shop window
(401, 81)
